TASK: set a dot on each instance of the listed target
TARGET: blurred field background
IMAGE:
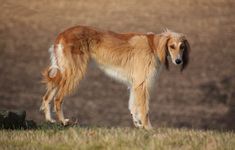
(202, 97)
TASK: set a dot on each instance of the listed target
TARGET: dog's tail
(52, 74)
(66, 68)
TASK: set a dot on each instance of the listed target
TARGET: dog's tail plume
(66, 69)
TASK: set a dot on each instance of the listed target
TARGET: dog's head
(174, 45)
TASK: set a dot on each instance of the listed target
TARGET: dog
(132, 58)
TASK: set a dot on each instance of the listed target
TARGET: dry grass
(116, 138)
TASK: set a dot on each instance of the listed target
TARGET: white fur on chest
(115, 73)
(153, 77)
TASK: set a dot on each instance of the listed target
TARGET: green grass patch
(57, 137)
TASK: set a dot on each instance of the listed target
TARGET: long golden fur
(132, 58)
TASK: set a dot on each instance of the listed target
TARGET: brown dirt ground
(201, 97)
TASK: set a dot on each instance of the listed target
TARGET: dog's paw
(66, 122)
(51, 120)
(137, 122)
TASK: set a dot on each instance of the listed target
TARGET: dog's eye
(182, 46)
(172, 46)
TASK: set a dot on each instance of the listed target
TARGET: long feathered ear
(185, 56)
(162, 50)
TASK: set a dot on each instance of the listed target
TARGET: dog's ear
(185, 56)
(162, 50)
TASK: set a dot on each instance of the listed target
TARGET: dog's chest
(115, 73)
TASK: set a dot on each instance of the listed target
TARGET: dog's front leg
(138, 105)
(133, 109)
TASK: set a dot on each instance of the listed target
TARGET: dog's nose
(178, 61)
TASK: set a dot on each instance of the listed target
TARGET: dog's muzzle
(178, 61)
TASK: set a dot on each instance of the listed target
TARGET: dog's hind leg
(46, 106)
(58, 106)
(69, 81)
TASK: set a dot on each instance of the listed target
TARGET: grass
(115, 138)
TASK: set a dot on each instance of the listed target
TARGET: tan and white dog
(133, 58)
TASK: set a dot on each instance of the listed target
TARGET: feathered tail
(66, 69)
